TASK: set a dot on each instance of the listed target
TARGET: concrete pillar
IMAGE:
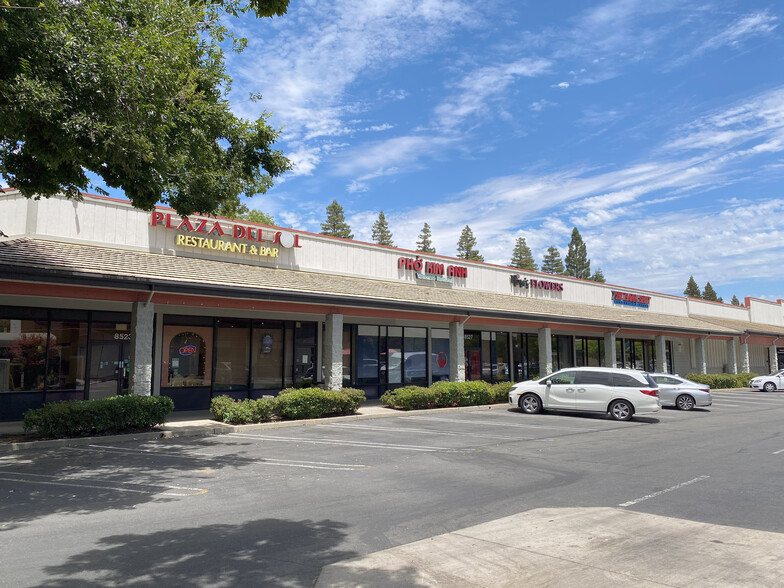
(732, 357)
(610, 359)
(545, 352)
(456, 352)
(745, 364)
(661, 354)
(140, 374)
(701, 364)
(773, 356)
(332, 358)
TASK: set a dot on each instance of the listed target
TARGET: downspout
(152, 291)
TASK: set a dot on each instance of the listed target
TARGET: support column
(773, 356)
(661, 354)
(140, 374)
(745, 364)
(545, 352)
(456, 352)
(610, 360)
(699, 355)
(732, 356)
(332, 358)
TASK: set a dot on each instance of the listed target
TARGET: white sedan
(769, 383)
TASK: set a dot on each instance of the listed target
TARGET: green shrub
(220, 406)
(117, 414)
(722, 381)
(410, 398)
(475, 393)
(447, 393)
(501, 392)
(312, 403)
(242, 412)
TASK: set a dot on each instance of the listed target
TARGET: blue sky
(656, 128)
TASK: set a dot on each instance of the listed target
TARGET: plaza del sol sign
(207, 233)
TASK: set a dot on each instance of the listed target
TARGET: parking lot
(273, 506)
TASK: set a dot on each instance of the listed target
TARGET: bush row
(118, 414)
(291, 403)
(443, 394)
(720, 381)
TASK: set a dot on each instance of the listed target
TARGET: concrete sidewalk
(569, 547)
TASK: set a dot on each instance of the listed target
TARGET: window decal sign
(629, 299)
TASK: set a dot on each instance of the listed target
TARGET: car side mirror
(548, 383)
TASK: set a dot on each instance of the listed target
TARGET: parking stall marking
(425, 431)
(779, 451)
(128, 487)
(423, 448)
(502, 424)
(290, 463)
(665, 491)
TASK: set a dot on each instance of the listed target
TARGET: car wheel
(621, 410)
(684, 402)
(530, 404)
(769, 387)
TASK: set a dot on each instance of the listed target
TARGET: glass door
(109, 364)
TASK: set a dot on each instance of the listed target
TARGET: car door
(560, 392)
(668, 388)
(593, 390)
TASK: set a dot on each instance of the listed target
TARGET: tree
(466, 244)
(134, 91)
(522, 257)
(381, 232)
(425, 243)
(692, 289)
(240, 211)
(552, 263)
(735, 301)
(709, 293)
(577, 263)
(336, 224)
(598, 276)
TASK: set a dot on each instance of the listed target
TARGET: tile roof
(21, 257)
(747, 326)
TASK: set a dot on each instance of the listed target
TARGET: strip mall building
(98, 298)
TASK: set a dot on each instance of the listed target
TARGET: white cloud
(562, 85)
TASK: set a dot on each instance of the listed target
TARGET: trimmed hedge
(291, 403)
(118, 414)
(721, 381)
(440, 394)
(501, 392)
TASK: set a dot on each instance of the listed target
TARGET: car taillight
(651, 392)
(704, 389)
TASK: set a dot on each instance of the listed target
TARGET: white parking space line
(500, 424)
(291, 463)
(349, 442)
(425, 431)
(128, 487)
(660, 492)
(779, 451)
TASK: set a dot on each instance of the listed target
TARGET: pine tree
(709, 293)
(425, 244)
(381, 232)
(522, 257)
(577, 263)
(598, 276)
(466, 244)
(336, 225)
(552, 263)
(735, 301)
(692, 289)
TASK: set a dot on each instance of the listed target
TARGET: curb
(215, 428)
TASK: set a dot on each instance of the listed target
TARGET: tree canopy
(598, 276)
(552, 262)
(381, 233)
(735, 301)
(522, 258)
(577, 263)
(708, 293)
(336, 224)
(134, 91)
(466, 246)
(692, 289)
(425, 242)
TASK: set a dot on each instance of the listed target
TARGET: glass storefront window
(473, 355)
(500, 357)
(487, 355)
(110, 358)
(67, 355)
(346, 355)
(562, 352)
(232, 358)
(439, 365)
(304, 351)
(394, 355)
(187, 356)
(366, 355)
(23, 355)
(415, 349)
(533, 357)
(589, 351)
(267, 354)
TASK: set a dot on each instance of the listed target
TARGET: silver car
(682, 393)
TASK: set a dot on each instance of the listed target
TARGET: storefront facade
(98, 299)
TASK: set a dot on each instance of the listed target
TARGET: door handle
(570, 389)
(581, 389)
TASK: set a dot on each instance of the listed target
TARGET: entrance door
(109, 361)
(472, 347)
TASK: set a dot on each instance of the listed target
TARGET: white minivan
(617, 392)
